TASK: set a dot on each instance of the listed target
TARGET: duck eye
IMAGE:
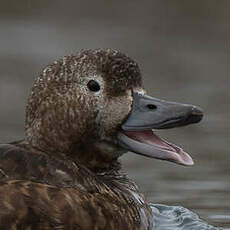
(93, 86)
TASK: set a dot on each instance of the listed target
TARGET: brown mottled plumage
(66, 174)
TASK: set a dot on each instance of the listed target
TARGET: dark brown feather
(42, 192)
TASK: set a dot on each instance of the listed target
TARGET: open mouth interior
(146, 142)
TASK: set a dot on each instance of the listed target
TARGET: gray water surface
(177, 218)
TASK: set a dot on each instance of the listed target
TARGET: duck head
(92, 107)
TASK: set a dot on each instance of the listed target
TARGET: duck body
(84, 112)
(42, 192)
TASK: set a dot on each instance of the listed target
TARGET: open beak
(150, 113)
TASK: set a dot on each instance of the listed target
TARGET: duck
(84, 112)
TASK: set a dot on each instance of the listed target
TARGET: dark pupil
(93, 86)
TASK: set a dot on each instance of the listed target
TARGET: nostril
(151, 106)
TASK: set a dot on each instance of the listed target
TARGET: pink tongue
(148, 137)
(148, 144)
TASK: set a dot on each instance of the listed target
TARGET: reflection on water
(177, 218)
(183, 51)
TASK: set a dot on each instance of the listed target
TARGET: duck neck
(96, 161)
(97, 157)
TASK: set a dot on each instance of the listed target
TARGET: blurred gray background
(183, 48)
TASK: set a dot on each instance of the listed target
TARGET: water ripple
(178, 218)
